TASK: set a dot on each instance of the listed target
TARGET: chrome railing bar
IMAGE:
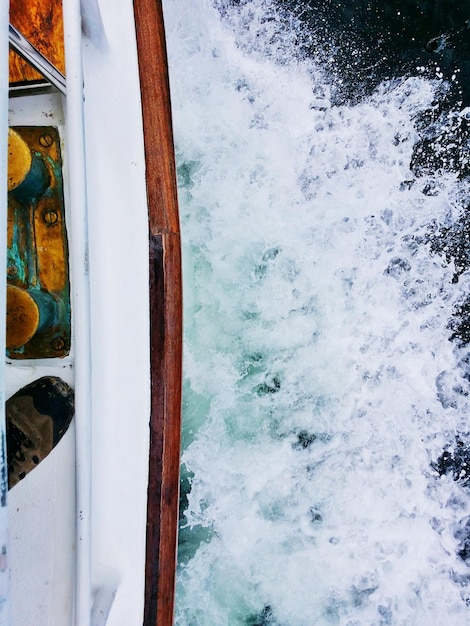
(39, 62)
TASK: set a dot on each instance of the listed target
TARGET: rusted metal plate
(41, 22)
(38, 294)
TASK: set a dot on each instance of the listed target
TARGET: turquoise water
(320, 386)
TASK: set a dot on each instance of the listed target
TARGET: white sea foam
(315, 332)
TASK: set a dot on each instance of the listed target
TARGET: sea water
(325, 404)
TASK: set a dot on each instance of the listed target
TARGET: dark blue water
(368, 41)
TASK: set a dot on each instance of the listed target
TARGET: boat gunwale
(165, 315)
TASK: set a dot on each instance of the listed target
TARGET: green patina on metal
(37, 255)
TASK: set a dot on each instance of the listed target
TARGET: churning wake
(326, 370)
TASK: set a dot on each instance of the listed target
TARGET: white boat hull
(43, 511)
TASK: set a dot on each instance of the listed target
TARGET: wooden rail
(165, 316)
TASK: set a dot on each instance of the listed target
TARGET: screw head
(50, 216)
(57, 344)
(46, 140)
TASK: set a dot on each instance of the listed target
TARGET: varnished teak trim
(165, 316)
